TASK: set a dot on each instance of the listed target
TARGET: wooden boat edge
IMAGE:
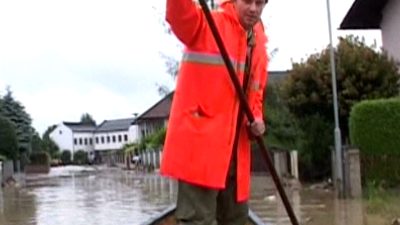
(170, 210)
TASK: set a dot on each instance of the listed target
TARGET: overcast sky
(63, 58)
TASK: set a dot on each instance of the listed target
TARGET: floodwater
(85, 196)
(109, 196)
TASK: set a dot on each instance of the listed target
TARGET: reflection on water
(88, 196)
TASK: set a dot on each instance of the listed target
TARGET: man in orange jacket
(207, 146)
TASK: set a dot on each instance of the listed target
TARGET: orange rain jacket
(202, 123)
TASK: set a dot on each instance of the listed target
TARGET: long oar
(249, 114)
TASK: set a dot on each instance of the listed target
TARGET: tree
(86, 118)
(363, 73)
(37, 144)
(45, 143)
(282, 127)
(8, 139)
(51, 147)
(15, 112)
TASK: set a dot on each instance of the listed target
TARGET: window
(86, 141)
(114, 139)
(75, 141)
(126, 137)
(90, 141)
(108, 139)
(97, 140)
(80, 141)
(102, 139)
(119, 138)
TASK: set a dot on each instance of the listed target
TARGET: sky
(63, 58)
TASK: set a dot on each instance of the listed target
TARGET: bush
(66, 157)
(81, 157)
(374, 127)
(39, 158)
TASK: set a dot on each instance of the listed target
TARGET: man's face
(249, 11)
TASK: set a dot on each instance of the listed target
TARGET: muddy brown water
(104, 196)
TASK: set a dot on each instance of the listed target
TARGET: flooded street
(95, 197)
(104, 196)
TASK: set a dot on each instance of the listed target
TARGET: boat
(167, 218)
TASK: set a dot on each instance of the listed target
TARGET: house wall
(150, 126)
(83, 141)
(133, 134)
(62, 136)
(111, 140)
(391, 28)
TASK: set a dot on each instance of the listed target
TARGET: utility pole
(338, 140)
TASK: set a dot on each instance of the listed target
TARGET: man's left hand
(257, 128)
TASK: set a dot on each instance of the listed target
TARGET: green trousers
(197, 205)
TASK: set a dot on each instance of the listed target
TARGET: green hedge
(375, 126)
(66, 157)
(39, 158)
(81, 157)
(374, 129)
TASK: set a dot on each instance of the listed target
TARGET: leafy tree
(282, 127)
(45, 144)
(86, 118)
(362, 73)
(37, 144)
(8, 139)
(15, 112)
(48, 144)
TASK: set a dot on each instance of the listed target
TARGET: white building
(377, 14)
(109, 135)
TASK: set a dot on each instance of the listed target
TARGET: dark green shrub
(374, 129)
(81, 157)
(39, 158)
(66, 157)
(154, 140)
(158, 137)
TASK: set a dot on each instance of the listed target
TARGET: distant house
(377, 14)
(276, 76)
(155, 117)
(109, 135)
(73, 136)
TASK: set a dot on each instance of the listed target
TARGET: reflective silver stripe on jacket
(210, 59)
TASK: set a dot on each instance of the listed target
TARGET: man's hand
(257, 128)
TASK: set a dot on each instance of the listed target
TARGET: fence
(285, 162)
